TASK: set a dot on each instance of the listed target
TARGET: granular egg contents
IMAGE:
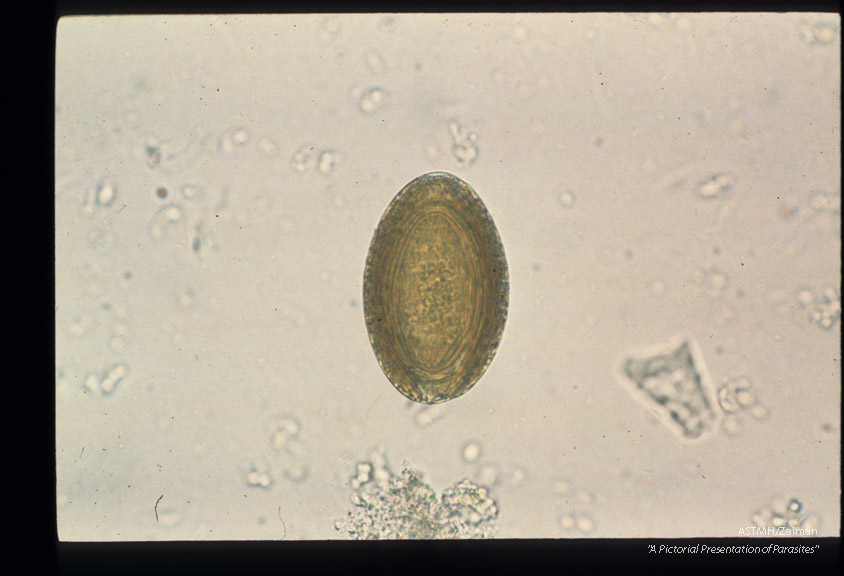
(435, 289)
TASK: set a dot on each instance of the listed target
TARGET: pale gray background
(249, 305)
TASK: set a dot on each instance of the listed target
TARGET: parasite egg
(435, 289)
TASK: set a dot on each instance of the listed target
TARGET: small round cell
(435, 289)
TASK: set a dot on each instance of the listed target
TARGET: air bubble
(427, 414)
(585, 497)
(465, 145)
(465, 154)
(787, 513)
(759, 411)
(373, 100)
(458, 132)
(759, 519)
(284, 439)
(716, 185)
(112, 377)
(561, 486)
(91, 383)
(330, 26)
(829, 311)
(736, 395)
(516, 477)
(295, 448)
(118, 337)
(258, 476)
(732, 424)
(99, 237)
(296, 473)
(61, 378)
(805, 297)
(570, 522)
(585, 524)
(576, 517)
(200, 239)
(372, 473)
(566, 198)
(825, 202)
(130, 120)
(487, 475)
(268, 147)
(825, 33)
(471, 451)
(713, 281)
(169, 156)
(106, 193)
(431, 151)
(168, 516)
(810, 525)
(825, 310)
(727, 399)
(240, 137)
(167, 224)
(192, 193)
(152, 154)
(89, 202)
(211, 144)
(304, 158)
(820, 33)
(121, 311)
(375, 62)
(363, 475)
(327, 160)
(388, 23)
(196, 242)
(106, 383)
(789, 213)
(185, 297)
(227, 144)
(380, 468)
(745, 396)
(282, 430)
(79, 325)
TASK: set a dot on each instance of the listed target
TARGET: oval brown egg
(435, 289)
